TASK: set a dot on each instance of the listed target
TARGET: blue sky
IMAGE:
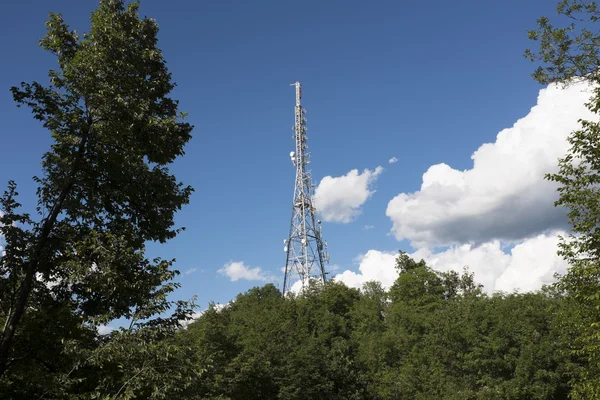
(426, 82)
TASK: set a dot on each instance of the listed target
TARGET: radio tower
(306, 251)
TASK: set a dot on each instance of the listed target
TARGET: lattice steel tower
(305, 248)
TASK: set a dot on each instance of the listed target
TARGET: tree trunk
(23, 296)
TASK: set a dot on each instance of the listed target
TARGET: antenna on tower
(306, 251)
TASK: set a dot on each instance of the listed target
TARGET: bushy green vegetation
(431, 336)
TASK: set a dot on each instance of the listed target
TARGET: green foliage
(570, 50)
(432, 336)
(567, 53)
(263, 345)
(105, 191)
(417, 285)
(579, 192)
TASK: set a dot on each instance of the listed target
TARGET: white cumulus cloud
(237, 270)
(339, 199)
(374, 266)
(530, 264)
(105, 329)
(504, 196)
(393, 160)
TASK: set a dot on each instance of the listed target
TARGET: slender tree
(106, 189)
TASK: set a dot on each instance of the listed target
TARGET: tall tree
(569, 52)
(106, 188)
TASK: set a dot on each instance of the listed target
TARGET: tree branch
(32, 267)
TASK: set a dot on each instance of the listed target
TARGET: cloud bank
(527, 267)
(472, 215)
(504, 196)
(340, 199)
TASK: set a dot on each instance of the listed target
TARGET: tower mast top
(298, 92)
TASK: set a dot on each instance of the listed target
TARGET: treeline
(430, 336)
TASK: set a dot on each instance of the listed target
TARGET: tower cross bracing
(306, 251)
